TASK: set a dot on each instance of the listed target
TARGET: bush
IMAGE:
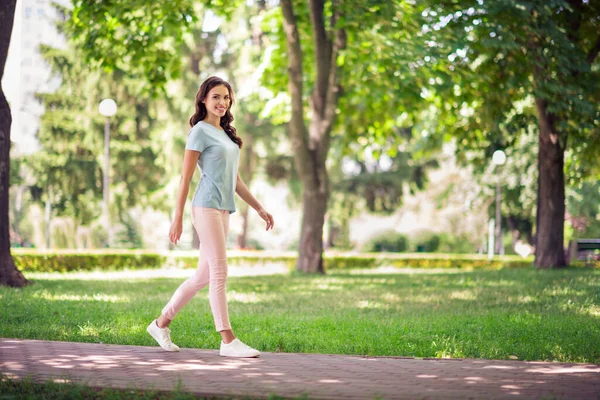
(450, 243)
(63, 261)
(426, 242)
(388, 241)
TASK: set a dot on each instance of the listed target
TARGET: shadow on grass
(544, 315)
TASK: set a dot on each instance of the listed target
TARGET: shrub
(426, 242)
(63, 261)
(460, 244)
(388, 241)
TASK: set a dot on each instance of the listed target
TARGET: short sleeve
(196, 139)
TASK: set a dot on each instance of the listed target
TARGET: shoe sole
(225, 355)
(161, 346)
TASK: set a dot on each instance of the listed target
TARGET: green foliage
(380, 180)
(421, 242)
(65, 261)
(27, 388)
(379, 78)
(424, 260)
(455, 244)
(493, 59)
(140, 35)
(425, 242)
(129, 236)
(67, 173)
(388, 241)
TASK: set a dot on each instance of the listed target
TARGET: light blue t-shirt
(218, 165)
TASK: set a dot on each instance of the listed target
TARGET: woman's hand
(175, 231)
(267, 217)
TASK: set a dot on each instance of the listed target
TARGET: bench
(584, 249)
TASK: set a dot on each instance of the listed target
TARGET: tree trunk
(310, 147)
(9, 274)
(549, 249)
(314, 206)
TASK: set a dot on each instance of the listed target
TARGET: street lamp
(107, 108)
(498, 158)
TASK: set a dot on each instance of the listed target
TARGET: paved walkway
(292, 375)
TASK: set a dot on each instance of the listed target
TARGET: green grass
(493, 314)
(29, 389)
(50, 390)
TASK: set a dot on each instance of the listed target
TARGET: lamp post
(498, 158)
(107, 108)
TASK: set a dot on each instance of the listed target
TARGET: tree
(494, 57)
(68, 168)
(310, 146)
(352, 64)
(9, 274)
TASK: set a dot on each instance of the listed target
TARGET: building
(26, 73)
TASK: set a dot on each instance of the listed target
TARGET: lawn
(495, 314)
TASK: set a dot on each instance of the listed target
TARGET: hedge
(70, 260)
(64, 262)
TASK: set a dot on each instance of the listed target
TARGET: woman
(214, 146)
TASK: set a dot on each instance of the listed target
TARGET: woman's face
(217, 100)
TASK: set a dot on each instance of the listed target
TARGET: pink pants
(212, 226)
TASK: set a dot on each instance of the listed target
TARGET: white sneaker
(162, 336)
(237, 349)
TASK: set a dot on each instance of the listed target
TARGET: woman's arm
(242, 190)
(189, 163)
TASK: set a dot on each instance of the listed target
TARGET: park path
(318, 376)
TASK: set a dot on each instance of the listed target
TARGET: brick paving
(316, 376)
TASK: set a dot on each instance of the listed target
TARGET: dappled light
(249, 298)
(519, 314)
(419, 218)
(463, 295)
(144, 274)
(71, 297)
(289, 375)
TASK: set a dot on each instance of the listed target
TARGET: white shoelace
(168, 336)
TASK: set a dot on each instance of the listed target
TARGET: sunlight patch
(391, 297)
(157, 273)
(594, 310)
(463, 295)
(108, 298)
(370, 304)
(326, 286)
(248, 298)
(524, 299)
(500, 283)
(91, 330)
(432, 298)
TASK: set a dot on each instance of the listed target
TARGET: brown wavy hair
(201, 112)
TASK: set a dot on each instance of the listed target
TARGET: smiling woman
(214, 147)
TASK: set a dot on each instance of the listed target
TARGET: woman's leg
(212, 226)
(214, 236)
(227, 334)
(190, 287)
